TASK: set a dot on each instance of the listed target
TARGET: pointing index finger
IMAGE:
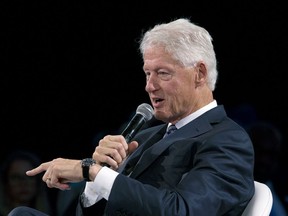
(41, 168)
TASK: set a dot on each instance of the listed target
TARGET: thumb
(132, 146)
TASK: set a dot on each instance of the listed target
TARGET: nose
(152, 83)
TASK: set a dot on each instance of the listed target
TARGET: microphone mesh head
(146, 110)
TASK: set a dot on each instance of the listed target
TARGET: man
(205, 167)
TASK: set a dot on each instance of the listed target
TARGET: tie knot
(170, 130)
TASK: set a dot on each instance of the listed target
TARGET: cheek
(179, 88)
(183, 94)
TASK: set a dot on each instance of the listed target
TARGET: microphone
(144, 113)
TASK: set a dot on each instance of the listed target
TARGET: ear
(201, 73)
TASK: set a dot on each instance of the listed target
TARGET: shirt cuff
(100, 187)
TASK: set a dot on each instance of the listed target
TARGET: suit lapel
(195, 128)
(131, 161)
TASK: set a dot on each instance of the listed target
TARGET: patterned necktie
(170, 130)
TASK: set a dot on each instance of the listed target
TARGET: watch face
(88, 162)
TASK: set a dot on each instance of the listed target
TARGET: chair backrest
(261, 202)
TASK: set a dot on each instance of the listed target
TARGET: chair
(261, 202)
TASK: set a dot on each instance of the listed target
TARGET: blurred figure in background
(19, 189)
(268, 142)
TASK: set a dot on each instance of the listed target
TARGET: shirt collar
(195, 114)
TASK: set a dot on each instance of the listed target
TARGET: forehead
(157, 57)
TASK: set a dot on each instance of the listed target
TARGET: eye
(164, 75)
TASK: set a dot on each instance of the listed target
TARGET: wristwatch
(86, 163)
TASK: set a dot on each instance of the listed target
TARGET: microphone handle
(133, 127)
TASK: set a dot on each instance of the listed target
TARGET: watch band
(86, 163)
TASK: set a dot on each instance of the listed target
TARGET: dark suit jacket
(204, 168)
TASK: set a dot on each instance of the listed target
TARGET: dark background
(71, 71)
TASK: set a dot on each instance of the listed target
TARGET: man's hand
(60, 172)
(112, 150)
